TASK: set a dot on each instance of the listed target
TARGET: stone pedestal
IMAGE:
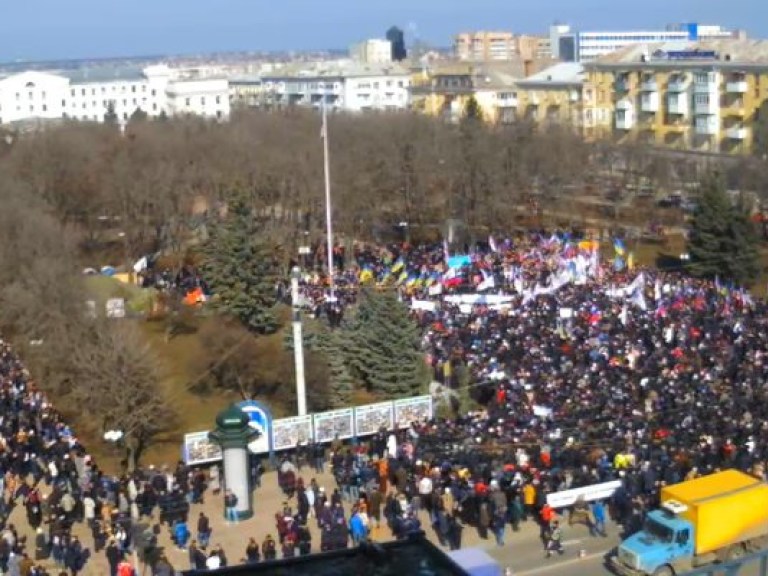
(233, 433)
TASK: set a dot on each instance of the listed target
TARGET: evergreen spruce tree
(472, 110)
(240, 269)
(340, 384)
(110, 116)
(722, 240)
(383, 346)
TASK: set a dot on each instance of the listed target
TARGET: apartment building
(352, 87)
(91, 94)
(485, 46)
(554, 95)
(444, 90)
(706, 96)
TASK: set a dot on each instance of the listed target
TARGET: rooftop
(338, 70)
(563, 73)
(723, 52)
(416, 555)
(103, 74)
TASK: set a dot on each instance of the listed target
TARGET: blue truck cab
(666, 540)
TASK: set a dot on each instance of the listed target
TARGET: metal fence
(751, 565)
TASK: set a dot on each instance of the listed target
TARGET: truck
(711, 519)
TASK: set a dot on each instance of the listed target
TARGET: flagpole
(328, 211)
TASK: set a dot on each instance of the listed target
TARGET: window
(43, 94)
(143, 87)
(202, 100)
(218, 99)
(63, 103)
(154, 92)
(103, 89)
(154, 106)
(18, 96)
(187, 102)
(82, 91)
(133, 88)
(72, 92)
(30, 95)
(31, 108)
(93, 91)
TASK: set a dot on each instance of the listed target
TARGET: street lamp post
(298, 344)
(328, 209)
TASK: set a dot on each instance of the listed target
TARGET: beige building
(485, 46)
(373, 51)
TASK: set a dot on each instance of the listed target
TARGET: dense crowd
(615, 373)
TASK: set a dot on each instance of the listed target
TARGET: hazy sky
(47, 29)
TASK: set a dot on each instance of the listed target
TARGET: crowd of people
(584, 370)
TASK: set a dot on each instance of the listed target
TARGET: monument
(233, 433)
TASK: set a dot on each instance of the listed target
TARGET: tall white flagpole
(328, 210)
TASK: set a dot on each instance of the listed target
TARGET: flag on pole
(492, 244)
(618, 247)
(631, 261)
(446, 252)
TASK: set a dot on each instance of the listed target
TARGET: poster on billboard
(290, 432)
(329, 425)
(415, 409)
(260, 419)
(370, 418)
(198, 449)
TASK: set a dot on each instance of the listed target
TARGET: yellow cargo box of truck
(724, 508)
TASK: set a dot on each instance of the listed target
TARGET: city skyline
(48, 30)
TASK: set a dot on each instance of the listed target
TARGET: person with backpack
(230, 506)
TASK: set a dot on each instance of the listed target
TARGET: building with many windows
(485, 46)
(575, 46)
(353, 87)
(709, 96)
(92, 94)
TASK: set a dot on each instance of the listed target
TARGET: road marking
(556, 565)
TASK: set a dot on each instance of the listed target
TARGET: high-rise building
(485, 46)
(397, 39)
(374, 51)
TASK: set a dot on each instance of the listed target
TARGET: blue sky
(48, 29)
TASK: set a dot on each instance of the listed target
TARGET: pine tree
(110, 116)
(240, 269)
(472, 110)
(722, 241)
(382, 346)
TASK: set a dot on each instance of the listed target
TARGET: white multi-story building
(92, 94)
(373, 51)
(573, 46)
(354, 88)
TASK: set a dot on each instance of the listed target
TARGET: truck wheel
(664, 571)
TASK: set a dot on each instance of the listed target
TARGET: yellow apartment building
(444, 90)
(554, 95)
(705, 96)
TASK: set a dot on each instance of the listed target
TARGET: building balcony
(678, 105)
(505, 101)
(649, 102)
(649, 85)
(706, 127)
(677, 85)
(706, 108)
(621, 85)
(736, 133)
(709, 87)
(736, 87)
